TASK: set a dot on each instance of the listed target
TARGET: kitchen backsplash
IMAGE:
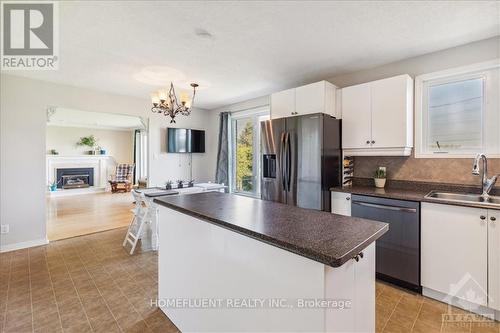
(442, 170)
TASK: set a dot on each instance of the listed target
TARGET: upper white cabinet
(283, 103)
(356, 120)
(377, 117)
(316, 97)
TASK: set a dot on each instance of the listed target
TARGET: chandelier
(165, 101)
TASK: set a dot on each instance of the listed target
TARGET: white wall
(245, 105)
(484, 50)
(23, 104)
(118, 143)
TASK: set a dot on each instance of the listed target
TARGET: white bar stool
(142, 214)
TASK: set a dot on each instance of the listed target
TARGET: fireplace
(68, 178)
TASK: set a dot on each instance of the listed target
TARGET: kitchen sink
(464, 197)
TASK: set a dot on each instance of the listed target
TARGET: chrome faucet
(486, 184)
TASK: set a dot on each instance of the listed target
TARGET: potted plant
(168, 185)
(180, 184)
(88, 141)
(53, 186)
(380, 177)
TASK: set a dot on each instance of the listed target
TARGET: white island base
(212, 279)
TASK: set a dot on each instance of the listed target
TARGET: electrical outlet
(4, 229)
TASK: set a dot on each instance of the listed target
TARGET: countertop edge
(301, 251)
(416, 196)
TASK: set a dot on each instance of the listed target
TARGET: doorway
(83, 151)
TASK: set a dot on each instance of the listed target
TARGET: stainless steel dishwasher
(398, 251)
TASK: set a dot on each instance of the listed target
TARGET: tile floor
(90, 284)
(82, 284)
(398, 310)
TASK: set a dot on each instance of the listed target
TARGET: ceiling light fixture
(165, 101)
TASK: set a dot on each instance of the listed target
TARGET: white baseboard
(478, 309)
(23, 245)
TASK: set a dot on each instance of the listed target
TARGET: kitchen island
(233, 263)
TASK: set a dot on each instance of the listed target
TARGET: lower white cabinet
(341, 203)
(460, 253)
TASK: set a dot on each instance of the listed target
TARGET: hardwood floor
(85, 214)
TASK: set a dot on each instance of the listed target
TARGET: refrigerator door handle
(282, 159)
(288, 161)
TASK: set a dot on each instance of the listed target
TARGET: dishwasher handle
(394, 208)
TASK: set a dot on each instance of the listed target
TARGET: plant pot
(379, 182)
(168, 186)
(53, 188)
(91, 152)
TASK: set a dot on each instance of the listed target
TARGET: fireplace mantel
(103, 165)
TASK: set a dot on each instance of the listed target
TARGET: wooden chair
(123, 179)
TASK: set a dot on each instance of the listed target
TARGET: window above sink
(457, 112)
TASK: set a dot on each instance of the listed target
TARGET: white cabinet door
(283, 104)
(356, 116)
(354, 281)
(494, 259)
(318, 97)
(341, 203)
(454, 250)
(310, 98)
(392, 117)
(365, 287)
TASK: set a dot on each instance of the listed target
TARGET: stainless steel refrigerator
(301, 160)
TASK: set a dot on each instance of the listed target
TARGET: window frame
(256, 114)
(423, 82)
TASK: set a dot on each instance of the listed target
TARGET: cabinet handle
(493, 218)
(482, 217)
(358, 256)
(367, 142)
(348, 198)
(373, 141)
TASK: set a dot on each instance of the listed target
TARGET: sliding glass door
(245, 144)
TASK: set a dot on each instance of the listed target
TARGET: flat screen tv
(184, 140)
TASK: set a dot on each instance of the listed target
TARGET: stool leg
(128, 230)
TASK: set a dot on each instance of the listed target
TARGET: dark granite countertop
(412, 191)
(324, 237)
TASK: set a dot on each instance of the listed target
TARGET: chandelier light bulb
(162, 94)
(155, 99)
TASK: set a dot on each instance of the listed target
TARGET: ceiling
(78, 118)
(238, 50)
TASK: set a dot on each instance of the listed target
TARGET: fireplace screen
(75, 181)
(68, 178)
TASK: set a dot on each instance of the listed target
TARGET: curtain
(222, 171)
(140, 155)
